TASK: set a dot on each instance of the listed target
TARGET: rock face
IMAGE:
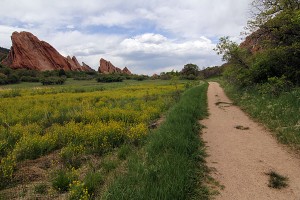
(126, 71)
(28, 52)
(107, 68)
(86, 67)
(254, 43)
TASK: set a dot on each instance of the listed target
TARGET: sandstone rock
(28, 52)
(254, 43)
(107, 68)
(126, 71)
(87, 68)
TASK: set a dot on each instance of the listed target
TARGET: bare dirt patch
(241, 161)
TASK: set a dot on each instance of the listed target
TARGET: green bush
(71, 155)
(61, 179)
(275, 86)
(78, 191)
(53, 80)
(123, 152)
(109, 78)
(30, 79)
(3, 79)
(92, 181)
(41, 188)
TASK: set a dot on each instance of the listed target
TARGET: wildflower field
(92, 119)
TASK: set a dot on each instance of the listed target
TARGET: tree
(190, 69)
(265, 10)
(232, 53)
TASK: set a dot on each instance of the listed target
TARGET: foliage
(62, 179)
(109, 78)
(211, 72)
(277, 181)
(40, 188)
(169, 164)
(78, 191)
(124, 151)
(92, 181)
(53, 80)
(71, 155)
(276, 40)
(77, 120)
(275, 86)
(190, 69)
(165, 76)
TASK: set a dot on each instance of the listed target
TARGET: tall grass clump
(171, 165)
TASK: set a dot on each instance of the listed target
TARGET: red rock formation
(107, 68)
(87, 68)
(29, 52)
(254, 42)
(126, 71)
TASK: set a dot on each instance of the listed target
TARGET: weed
(109, 165)
(123, 152)
(240, 127)
(41, 188)
(277, 181)
(78, 191)
(71, 155)
(221, 102)
(62, 179)
(92, 181)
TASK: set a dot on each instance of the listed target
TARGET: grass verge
(171, 165)
(279, 113)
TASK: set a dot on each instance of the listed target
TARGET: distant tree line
(192, 72)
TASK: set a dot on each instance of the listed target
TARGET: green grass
(171, 165)
(279, 113)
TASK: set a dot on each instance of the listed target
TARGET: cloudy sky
(146, 36)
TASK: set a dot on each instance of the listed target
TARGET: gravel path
(241, 152)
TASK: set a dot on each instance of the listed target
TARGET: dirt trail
(241, 158)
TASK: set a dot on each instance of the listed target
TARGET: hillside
(3, 53)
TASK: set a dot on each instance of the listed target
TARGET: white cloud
(145, 35)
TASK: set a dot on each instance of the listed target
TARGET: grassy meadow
(70, 141)
(171, 165)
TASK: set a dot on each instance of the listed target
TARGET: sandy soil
(241, 152)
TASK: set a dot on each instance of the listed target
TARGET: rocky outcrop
(28, 52)
(254, 42)
(126, 71)
(107, 68)
(87, 68)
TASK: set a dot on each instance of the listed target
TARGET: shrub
(92, 181)
(40, 188)
(78, 191)
(71, 155)
(53, 80)
(29, 79)
(109, 78)
(63, 178)
(275, 86)
(123, 152)
(3, 79)
(13, 78)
